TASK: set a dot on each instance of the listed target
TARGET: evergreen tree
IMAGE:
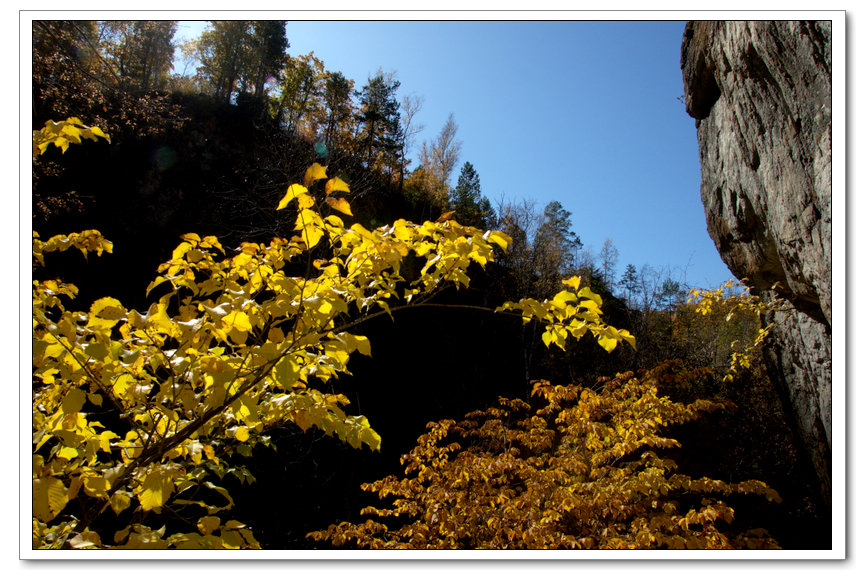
(470, 206)
(630, 283)
(555, 247)
(671, 294)
(381, 137)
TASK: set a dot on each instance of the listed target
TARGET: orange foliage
(583, 471)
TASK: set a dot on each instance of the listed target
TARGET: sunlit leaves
(339, 204)
(61, 134)
(234, 344)
(734, 299)
(299, 193)
(314, 173)
(571, 315)
(156, 489)
(584, 471)
(335, 184)
(49, 498)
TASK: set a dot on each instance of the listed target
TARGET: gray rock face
(761, 94)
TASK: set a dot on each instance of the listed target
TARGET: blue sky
(586, 113)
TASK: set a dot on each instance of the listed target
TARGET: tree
(267, 46)
(411, 104)
(380, 138)
(65, 56)
(444, 153)
(555, 245)
(139, 52)
(630, 283)
(339, 118)
(587, 470)
(609, 259)
(470, 207)
(671, 294)
(136, 414)
(301, 94)
(223, 49)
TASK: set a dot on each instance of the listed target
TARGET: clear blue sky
(586, 113)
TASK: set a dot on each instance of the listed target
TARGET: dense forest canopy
(263, 225)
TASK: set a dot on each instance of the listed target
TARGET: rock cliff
(761, 95)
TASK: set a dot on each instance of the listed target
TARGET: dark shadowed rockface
(761, 94)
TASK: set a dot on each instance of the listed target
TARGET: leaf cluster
(585, 470)
(139, 412)
(61, 134)
(734, 300)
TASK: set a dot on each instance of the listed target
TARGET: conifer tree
(555, 246)
(630, 283)
(470, 206)
(380, 133)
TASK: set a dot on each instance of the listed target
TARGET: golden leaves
(49, 498)
(568, 314)
(581, 472)
(156, 489)
(339, 204)
(335, 184)
(61, 134)
(298, 192)
(228, 350)
(314, 173)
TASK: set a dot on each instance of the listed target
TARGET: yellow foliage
(61, 134)
(226, 353)
(585, 470)
(732, 299)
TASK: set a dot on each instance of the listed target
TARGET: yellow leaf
(314, 173)
(107, 309)
(311, 226)
(207, 524)
(500, 239)
(73, 401)
(120, 501)
(294, 191)
(242, 434)
(607, 343)
(96, 487)
(371, 438)
(573, 282)
(238, 320)
(286, 372)
(586, 293)
(335, 184)
(629, 338)
(275, 335)
(562, 298)
(86, 539)
(339, 204)
(156, 489)
(49, 498)
(363, 346)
